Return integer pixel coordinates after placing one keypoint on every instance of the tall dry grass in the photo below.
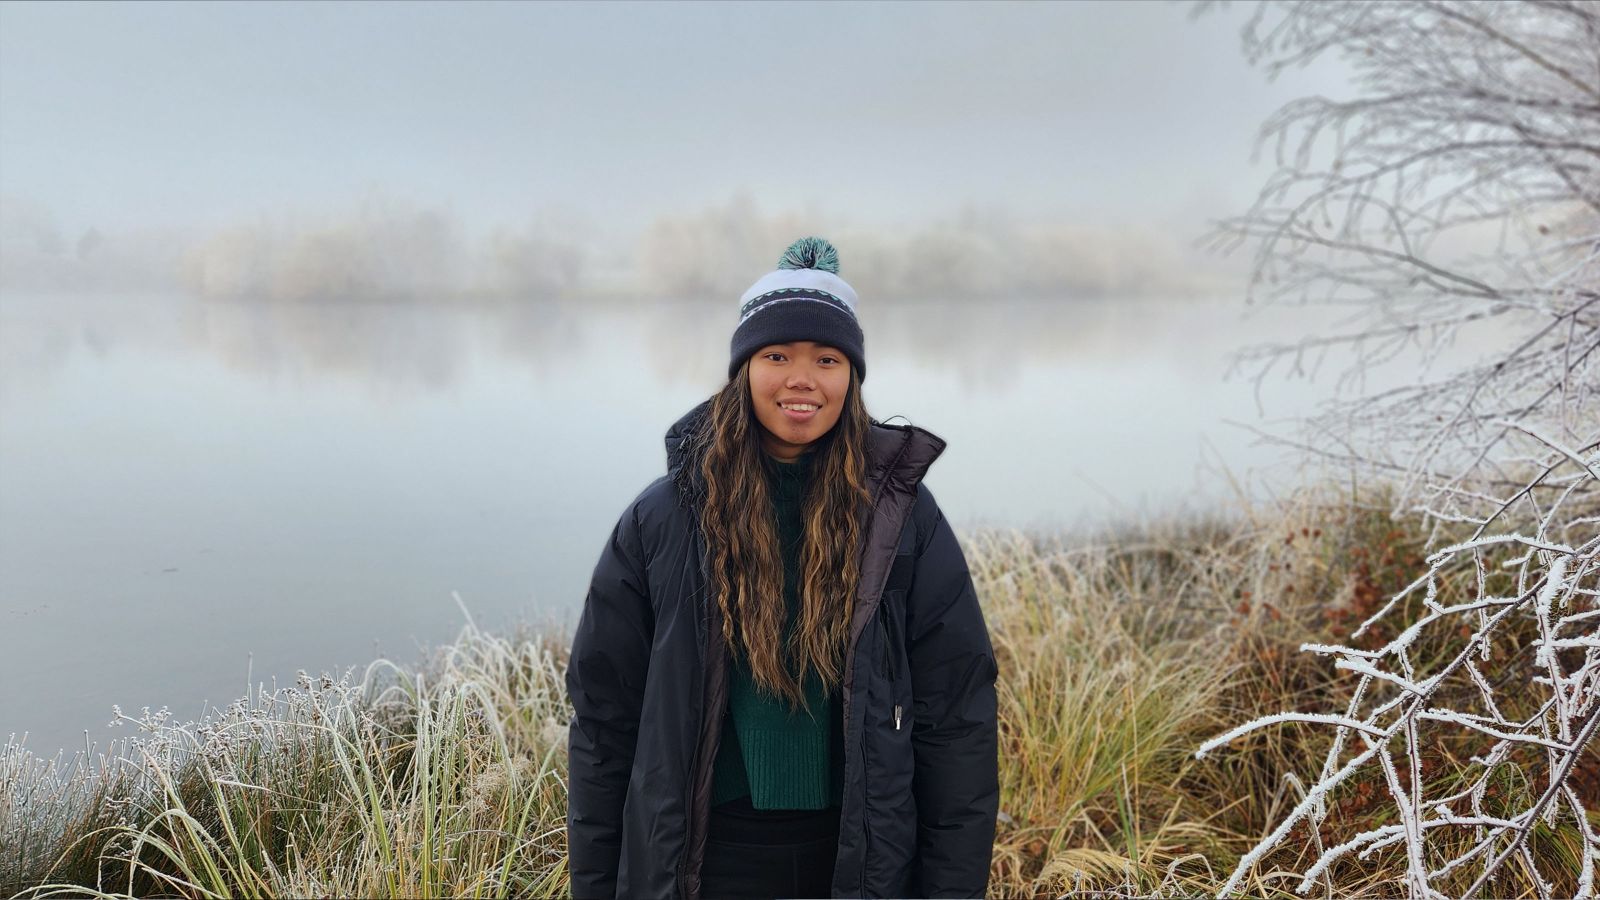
(1119, 653)
(446, 781)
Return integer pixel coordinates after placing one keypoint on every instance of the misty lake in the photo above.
(195, 495)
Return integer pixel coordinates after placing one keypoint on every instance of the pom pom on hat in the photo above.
(811, 253)
(804, 299)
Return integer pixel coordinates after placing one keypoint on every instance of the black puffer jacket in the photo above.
(648, 678)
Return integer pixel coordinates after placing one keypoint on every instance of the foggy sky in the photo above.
(615, 115)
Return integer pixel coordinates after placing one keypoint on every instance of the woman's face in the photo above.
(784, 380)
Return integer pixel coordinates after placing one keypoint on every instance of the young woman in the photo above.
(781, 680)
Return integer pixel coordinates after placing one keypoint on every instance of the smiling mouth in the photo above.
(799, 413)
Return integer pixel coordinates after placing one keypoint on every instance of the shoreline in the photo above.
(1118, 659)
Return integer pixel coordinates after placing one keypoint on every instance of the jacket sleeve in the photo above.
(605, 681)
(954, 732)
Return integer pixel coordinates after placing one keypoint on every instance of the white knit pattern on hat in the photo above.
(805, 279)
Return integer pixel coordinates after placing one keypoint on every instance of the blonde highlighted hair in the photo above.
(741, 539)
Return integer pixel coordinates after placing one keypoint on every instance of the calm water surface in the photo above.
(196, 495)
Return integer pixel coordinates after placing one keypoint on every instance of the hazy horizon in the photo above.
(551, 146)
(251, 407)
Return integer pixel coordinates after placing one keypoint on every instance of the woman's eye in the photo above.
(829, 359)
(778, 355)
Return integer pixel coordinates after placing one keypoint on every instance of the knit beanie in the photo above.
(804, 299)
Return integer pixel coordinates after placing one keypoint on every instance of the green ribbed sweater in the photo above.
(780, 760)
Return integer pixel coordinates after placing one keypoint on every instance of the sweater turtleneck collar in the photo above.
(789, 478)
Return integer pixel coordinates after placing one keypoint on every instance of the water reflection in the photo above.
(185, 482)
(414, 344)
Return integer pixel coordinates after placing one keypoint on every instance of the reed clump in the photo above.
(1119, 652)
(1159, 638)
(444, 781)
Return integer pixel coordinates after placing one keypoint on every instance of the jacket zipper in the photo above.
(891, 660)
(694, 758)
(866, 814)
(694, 768)
(683, 860)
(866, 820)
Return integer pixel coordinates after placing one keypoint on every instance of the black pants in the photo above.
(751, 853)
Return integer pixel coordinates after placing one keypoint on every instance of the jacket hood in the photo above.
(901, 453)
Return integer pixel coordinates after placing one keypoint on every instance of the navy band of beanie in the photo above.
(804, 299)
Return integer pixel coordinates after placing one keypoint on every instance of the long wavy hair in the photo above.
(741, 539)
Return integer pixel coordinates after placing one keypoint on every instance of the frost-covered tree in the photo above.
(1458, 189)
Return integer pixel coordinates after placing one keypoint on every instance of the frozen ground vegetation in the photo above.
(1459, 188)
